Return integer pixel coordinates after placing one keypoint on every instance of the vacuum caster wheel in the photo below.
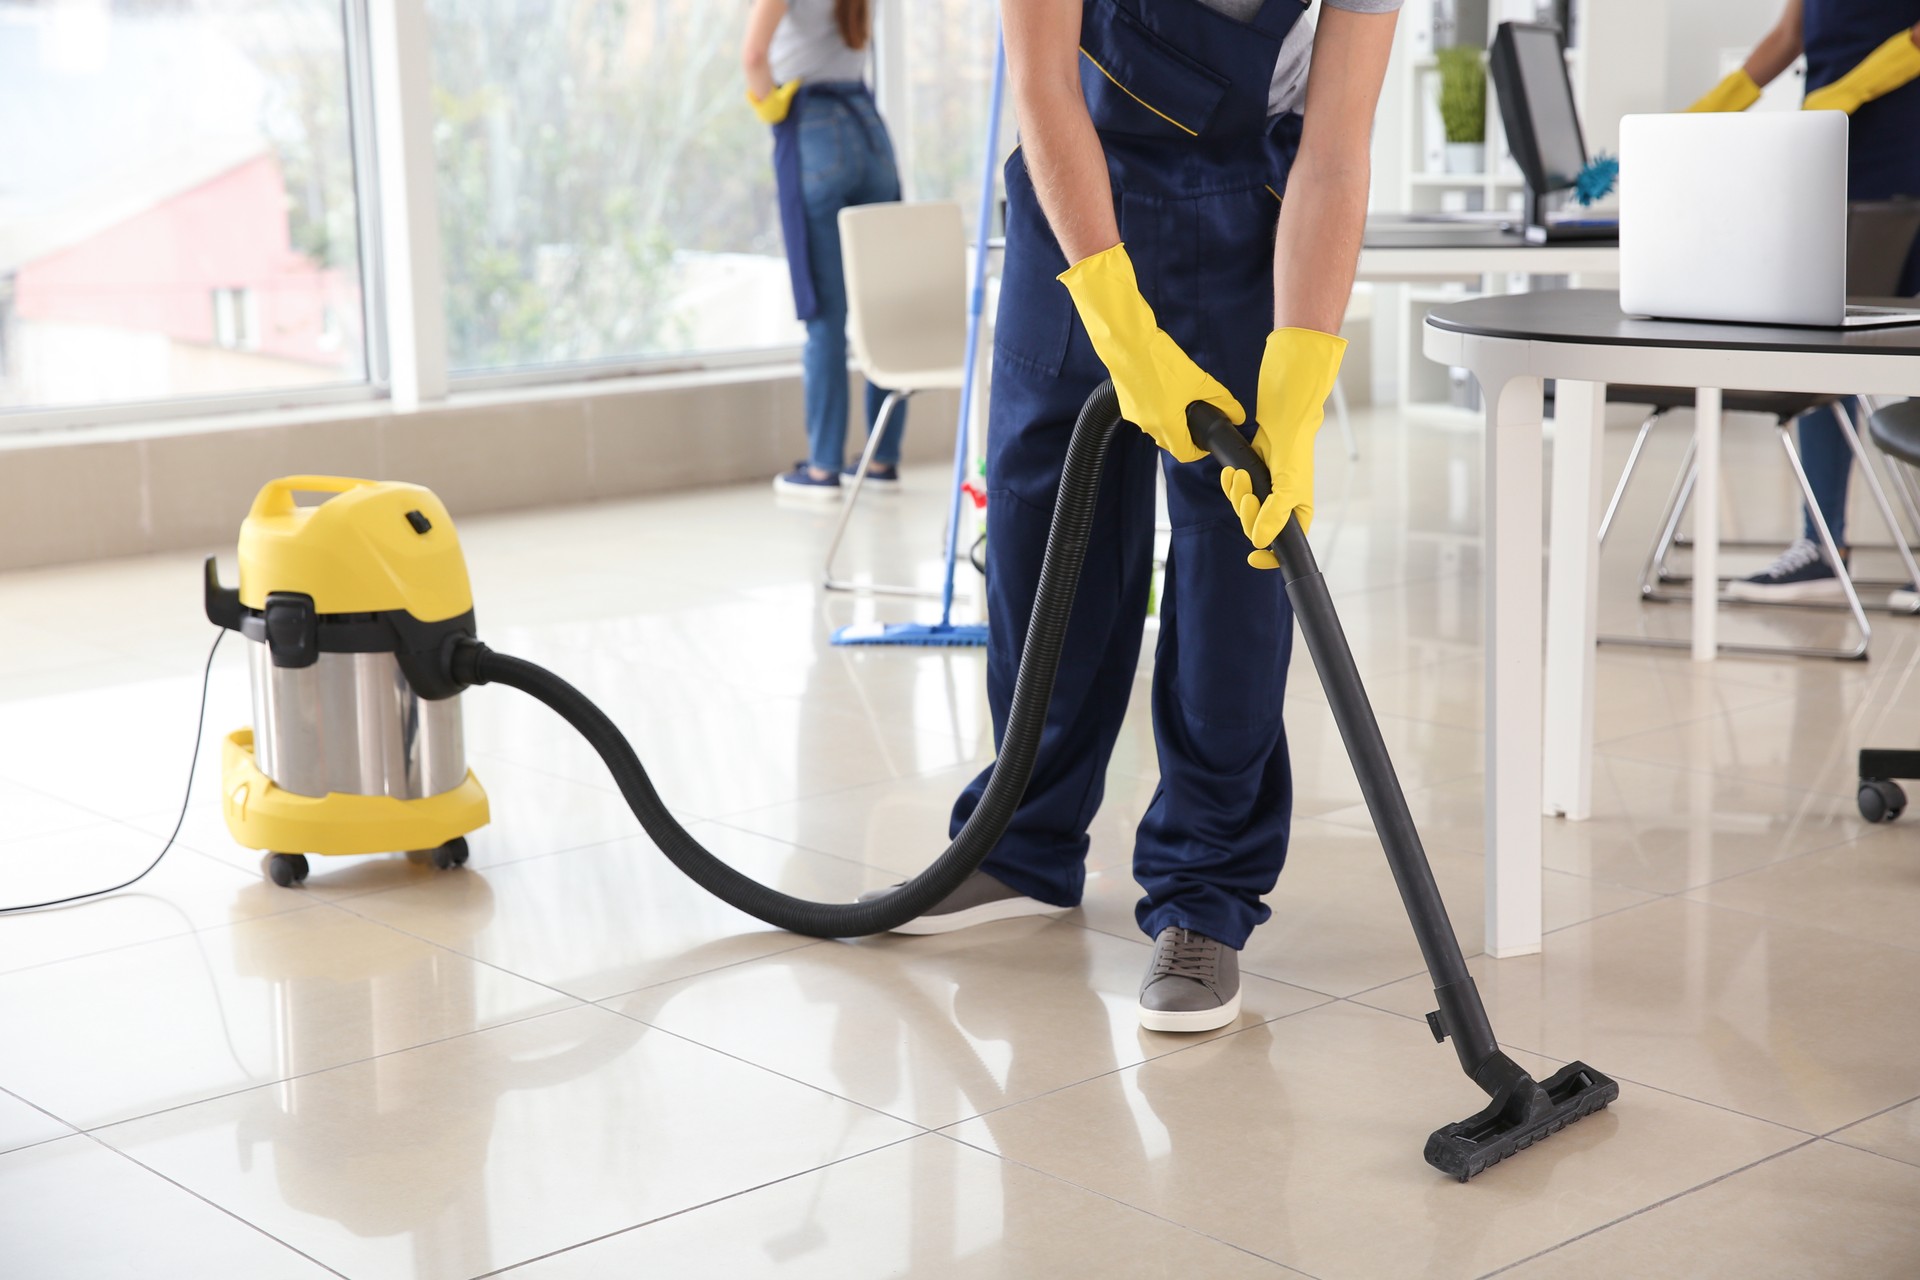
(285, 869)
(1881, 800)
(451, 854)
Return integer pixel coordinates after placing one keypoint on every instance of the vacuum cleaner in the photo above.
(361, 624)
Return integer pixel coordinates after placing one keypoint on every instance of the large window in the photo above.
(177, 211)
(605, 193)
(949, 54)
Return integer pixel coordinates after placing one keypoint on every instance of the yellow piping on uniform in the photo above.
(1136, 97)
(1275, 194)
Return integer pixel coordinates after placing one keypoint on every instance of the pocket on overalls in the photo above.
(1138, 83)
(1035, 316)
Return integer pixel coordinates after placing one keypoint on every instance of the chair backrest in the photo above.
(906, 268)
(1880, 237)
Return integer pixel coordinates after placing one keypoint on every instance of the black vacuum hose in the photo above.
(474, 663)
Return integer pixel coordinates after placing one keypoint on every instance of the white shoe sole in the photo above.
(808, 492)
(985, 913)
(1190, 1020)
(1825, 590)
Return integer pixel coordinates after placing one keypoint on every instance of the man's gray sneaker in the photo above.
(980, 899)
(1192, 984)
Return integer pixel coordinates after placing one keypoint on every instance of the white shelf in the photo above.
(1466, 180)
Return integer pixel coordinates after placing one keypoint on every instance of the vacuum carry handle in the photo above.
(276, 496)
(1213, 432)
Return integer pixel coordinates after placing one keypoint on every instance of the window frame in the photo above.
(378, 301)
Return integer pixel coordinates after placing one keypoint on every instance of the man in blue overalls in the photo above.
(1158, 137)
(1863, 58)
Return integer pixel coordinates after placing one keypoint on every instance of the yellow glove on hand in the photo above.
(773, 108)
(1879, 73)
(1154, 378)
(1736, 92)
(1296, 377)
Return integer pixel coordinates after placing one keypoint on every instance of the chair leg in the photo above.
(1894, 532)
(1669, 521)
(1826, 541)
(832, 583)
(1676, 508)
(1346, 423)
(1626, 474)
(1903, 484)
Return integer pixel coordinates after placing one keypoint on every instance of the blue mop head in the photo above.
(920, 633)
(1597, 180)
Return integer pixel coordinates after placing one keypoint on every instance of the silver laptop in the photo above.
(1739, 217)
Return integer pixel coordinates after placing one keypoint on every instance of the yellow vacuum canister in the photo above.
(351, 605)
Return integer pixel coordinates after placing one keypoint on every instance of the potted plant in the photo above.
(1463, 108)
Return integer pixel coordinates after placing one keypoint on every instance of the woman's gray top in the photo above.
(807, 46)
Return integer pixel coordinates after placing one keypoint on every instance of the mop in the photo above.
(946, 631)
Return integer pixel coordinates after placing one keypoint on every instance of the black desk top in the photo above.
(1593, 316)
(1398, 233)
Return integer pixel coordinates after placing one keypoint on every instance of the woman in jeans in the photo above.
(806, 76)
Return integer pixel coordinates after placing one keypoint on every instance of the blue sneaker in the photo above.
(1802, 573)
(800, 483)
(882, 477)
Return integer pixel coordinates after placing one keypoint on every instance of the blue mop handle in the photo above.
(976, 306)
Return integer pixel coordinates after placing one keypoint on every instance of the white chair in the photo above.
(906, 269)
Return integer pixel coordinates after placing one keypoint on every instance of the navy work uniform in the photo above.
(1178, 93)
(1883, 143)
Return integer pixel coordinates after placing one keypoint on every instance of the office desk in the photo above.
(1395, 249)
(1539, 749)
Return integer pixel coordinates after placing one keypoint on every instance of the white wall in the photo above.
(1697, 33)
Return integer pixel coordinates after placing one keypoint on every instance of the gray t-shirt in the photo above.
(1289, 88)
(807, 46)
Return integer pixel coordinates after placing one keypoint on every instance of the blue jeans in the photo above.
(1828, 460)
(846, 159)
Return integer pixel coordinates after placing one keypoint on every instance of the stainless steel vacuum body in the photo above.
(349, 607)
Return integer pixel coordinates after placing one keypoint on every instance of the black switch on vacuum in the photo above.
(293, 629)
(419, 521)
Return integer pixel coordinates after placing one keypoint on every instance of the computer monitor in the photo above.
(1529, 68)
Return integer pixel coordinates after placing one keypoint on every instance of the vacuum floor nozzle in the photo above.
(1521, 1114)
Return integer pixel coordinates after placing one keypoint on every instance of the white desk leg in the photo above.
(1706, 524)
(1514, 453)
(1573, 597)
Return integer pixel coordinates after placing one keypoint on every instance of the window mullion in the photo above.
(414, 292)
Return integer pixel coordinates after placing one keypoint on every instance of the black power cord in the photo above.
(199, 731)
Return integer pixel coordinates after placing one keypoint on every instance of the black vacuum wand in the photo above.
(1522, 1111)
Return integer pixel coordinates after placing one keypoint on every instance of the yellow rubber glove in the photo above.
(1881, 72)
(773, 108)
(1155, 379)
(1296, 377)
(1735, 93)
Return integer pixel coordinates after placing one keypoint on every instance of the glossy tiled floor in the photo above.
(565, 1061)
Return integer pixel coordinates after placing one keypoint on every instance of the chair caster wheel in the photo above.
(285, 869)
(449, 855)
(1881, 800)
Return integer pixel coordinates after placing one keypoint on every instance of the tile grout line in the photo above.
(251, 1086)
(761, 1067)
(1125, 1204)
(212, 1204)
(1638, 1084)
(1627, 1217)
(692, 1208)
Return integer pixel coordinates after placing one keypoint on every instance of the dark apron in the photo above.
(791, 193)
(1883, 148)
(1178, 94)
